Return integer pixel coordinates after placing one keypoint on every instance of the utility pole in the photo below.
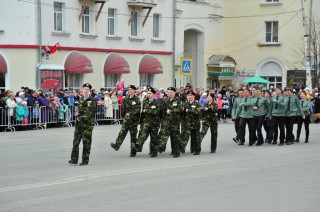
(174, 12)
(306, 48)
(38, 82)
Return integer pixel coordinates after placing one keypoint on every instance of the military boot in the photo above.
(114, 146)
(73, 162)
(135, 147)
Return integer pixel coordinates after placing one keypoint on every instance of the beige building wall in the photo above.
(245, 36)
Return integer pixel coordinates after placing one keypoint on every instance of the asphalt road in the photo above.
(35, 175)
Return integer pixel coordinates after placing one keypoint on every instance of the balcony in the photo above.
(145, 4)
(86, 2)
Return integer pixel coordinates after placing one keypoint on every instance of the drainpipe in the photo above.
(306, 49)
(39, 29)
(174, 6)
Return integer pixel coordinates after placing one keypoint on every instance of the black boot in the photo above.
(114, 146)
(73, 162)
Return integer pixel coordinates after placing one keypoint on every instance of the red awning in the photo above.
(3, 65)
(150, 65)
(77, 63)
(115, 64)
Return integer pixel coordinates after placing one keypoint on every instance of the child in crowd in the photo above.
(25, 114)
(225, 107)
(62, 110)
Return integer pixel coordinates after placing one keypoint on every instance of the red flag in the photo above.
(51, 49)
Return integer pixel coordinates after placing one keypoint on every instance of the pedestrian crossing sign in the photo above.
(186, 66)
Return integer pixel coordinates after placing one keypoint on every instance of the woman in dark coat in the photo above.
(44, 107)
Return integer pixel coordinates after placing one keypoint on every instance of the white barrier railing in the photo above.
(41, 117)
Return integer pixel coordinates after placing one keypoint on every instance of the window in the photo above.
(58, 16)
(111, 80)
(111, 22)
(2, 81)
(86, 21)
(134, 24)
(74, 81)
(271, 32)
(156, 25)
(274, 81)
(146, 79)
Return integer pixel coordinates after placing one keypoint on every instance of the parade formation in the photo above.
(180, 117)
(180, 114)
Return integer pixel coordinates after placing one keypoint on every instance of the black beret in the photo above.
(102, 89)
(171, 89)
(87, 85)
(132, 87)
(191, 93)
(151, 89)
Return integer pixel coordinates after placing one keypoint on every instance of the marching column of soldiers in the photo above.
(180, 120)
(277, 114)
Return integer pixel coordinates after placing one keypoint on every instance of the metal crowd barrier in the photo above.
(41, 117)
(111, 114)
(24, 117)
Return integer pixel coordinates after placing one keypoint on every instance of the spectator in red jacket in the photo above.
(219, 102)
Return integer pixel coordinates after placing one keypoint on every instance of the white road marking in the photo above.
(105, 174)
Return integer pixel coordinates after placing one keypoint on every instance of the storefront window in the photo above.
(2, 81)
(73, 81)
(111, 80)
(146, 79)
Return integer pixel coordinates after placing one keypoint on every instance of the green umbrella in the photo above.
(255, 79)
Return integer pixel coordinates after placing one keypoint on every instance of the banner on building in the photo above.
(51, 79)
(296, 78)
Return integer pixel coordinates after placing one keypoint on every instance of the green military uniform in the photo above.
(83, 128)
(277, 114)
(246, 117)
(150, 124)
(210, 121)
(131, 116)
(259, 115)
(305, 105)
(192, 126)
(171, 126)
(293, 109)
(235, 117)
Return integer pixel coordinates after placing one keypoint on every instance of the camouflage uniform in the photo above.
(210, 120)
(130, 123)
(192, 126)
(171, 126)
(150, 124)
(83, 129)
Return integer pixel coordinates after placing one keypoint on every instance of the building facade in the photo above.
(266, 38)
(64, 43)
(92, 41)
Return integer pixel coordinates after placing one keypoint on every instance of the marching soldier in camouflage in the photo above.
(131, 116)
(172, 120)
(210, 110)
(84, 126)
(192, 124)
(151, 110)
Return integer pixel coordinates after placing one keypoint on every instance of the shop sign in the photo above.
(51, 79)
